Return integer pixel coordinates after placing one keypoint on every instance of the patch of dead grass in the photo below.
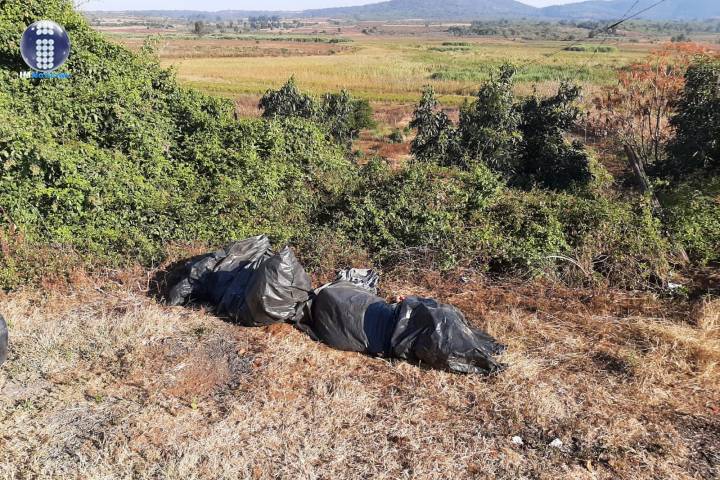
(103, 382)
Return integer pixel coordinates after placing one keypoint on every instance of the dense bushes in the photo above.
(342, 115)
(693, 217)
(690, 172)
(663, 116)
(120, 161)
(524, 141)
(448, 216)
(697, 122)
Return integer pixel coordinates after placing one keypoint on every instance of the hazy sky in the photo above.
(212, 5)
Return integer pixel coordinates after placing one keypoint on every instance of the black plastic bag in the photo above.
(349, 317)
(276, 292)
(217, 276)
(365, 278)
(3, 340)
(253, 287)
(247, 283)
(439, 336)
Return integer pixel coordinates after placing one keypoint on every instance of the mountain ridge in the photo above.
(430, 10)
(466, 10)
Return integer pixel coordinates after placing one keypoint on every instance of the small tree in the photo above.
(436, 139)
(345, 116)
(489, 126)
(524, 142)
(342, 115)
(199, 28)
(547, 158)
(637, 110)
(287, 101)
(697, 121)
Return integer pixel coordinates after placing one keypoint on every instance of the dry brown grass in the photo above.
(184, 48)
(103, 382)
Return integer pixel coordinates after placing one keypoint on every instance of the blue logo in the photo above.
(45, 46)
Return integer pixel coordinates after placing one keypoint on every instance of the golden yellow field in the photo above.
(391, 69)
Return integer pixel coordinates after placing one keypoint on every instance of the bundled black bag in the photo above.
(254, 287)
(276, 292)
(349, 316)
(439, 336)
(214, 277)
(247, 283)
(3, 340)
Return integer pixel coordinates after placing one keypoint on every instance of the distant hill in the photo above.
(474, 10)
(610, 9)
(430, 10)
(223, 15)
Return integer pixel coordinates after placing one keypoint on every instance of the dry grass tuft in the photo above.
(103, 382)
(706, 315)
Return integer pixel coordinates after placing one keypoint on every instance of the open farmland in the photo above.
(386, 69)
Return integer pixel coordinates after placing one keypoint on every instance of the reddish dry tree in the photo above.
(636, 111)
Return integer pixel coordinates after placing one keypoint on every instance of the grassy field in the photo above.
(386, 69)
(104, 382)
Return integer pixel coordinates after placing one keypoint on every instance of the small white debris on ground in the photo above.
(517, 440)
(557, 443)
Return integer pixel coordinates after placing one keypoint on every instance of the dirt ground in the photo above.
(105, 382)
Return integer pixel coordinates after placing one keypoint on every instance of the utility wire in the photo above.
(607, 29)
(622, 19)
(612, 26)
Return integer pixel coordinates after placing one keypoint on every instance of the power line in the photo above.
(597, 49)
(607, 29)
(613, 26)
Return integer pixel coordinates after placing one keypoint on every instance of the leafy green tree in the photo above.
(288, 101)
(489, 126)
(697, 122)
(548, 159)
(199, 28)
(436, 139)
(344, 116)
(524, 142)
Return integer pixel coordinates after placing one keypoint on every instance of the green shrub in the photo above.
(488, 127)
(522, 141)
(396, 136)
(693, 217)
(423, 207)
(342, 115)
(345, 116)
(120, 167)
(546, 157)
(593, 240)
(287, 101)
(448, 216)
(696, 144)
(436, 139)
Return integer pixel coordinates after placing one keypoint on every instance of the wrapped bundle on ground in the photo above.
(251, 285)
(247, 283)
(439, 336)
(349, 316)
